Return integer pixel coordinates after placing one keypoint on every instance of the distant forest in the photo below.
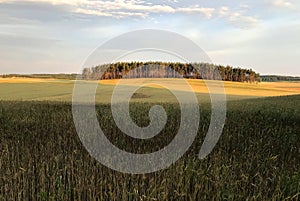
(278, 78)
(46, 76)
(159, 70)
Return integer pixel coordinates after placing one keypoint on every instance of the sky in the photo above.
(52, 36)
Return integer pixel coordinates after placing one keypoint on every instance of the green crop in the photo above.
(257, 157)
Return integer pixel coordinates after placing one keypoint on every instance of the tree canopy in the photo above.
(169, 70)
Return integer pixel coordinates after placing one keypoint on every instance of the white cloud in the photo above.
(208, 12)
(145, 9)
(243, 21)
(282, 3)
(118, 14)
(237, 18)
(121, 8)
(223, 11)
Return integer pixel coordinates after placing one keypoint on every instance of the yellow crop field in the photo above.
(263, 89)
(61, 90)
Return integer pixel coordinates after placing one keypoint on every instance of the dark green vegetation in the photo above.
(278, 78)
(54, 76)
(158, 69)
(257, 157)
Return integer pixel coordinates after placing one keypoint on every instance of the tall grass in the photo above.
(257, 157)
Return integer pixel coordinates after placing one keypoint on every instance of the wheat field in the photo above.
(29, 89)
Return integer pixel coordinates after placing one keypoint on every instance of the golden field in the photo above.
(61, 90)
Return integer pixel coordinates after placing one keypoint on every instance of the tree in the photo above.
(86, 73)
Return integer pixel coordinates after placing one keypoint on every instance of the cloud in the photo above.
(223, 11)
(137, 8)
(120, 8)
(282, 3)
(5, 19)
(243, 21)
(289, 5)
(237, 18)
(27, 42)
(208, 12)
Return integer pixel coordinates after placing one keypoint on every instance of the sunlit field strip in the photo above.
(61, 90)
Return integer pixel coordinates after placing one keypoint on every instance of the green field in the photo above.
(42, 158)
(25, 89)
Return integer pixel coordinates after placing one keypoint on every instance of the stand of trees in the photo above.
(279, 78)
(54, 76)
(169, 70)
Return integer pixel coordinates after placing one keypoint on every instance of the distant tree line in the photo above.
(169, 70)
(278, 78)
(53, 76)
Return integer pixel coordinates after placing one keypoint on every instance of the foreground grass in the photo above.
(257, 157)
